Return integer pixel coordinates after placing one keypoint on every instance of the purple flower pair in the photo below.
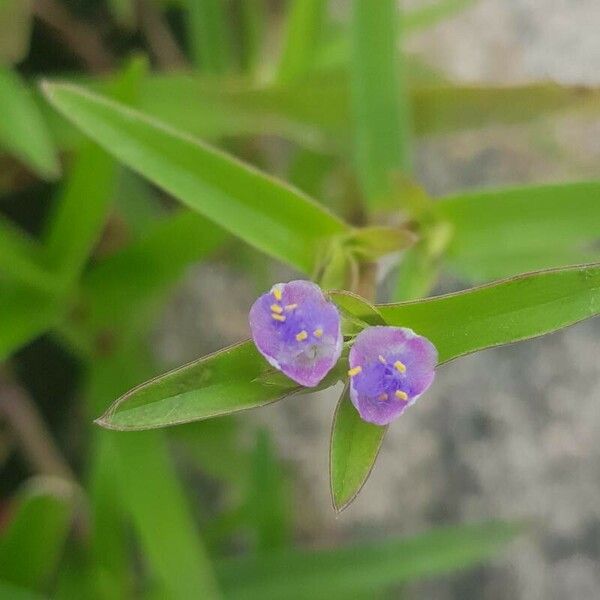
(297, 329)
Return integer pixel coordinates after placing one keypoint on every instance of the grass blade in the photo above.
(23, 131)
(367, 569)
(32, 545)
(540, 227)
(292, 228)
(304, 28)
(380, 99)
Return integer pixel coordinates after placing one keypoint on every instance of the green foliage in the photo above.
(15, 29)
(354, 448)
(32, 544)
(208, 35)
(539, 227)
(112, 248)
(362, 570)
(379, 99)
(304, 29)
(235, 196)
(22, 128)
(500, 313)
(25, 314)
(233, 379)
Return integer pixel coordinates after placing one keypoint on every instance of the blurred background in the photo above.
(507, 434)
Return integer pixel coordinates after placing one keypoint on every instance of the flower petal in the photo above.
(297, 330)
(390, 368)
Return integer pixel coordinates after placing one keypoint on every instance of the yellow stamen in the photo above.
(276, 308)
(382, 360)
(291, 306)
(301, 336)
(278, 317)
(383, 397)
(355, 371)
(318, 332)
(277, 293)
(400, 366)
(401, 395)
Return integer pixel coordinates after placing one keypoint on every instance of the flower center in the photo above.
(385, 379)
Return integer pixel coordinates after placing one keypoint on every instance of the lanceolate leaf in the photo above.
(266, 213)
(500, 313)
(354, 448)
(539, 227)
(503, 312)
(361, 571)
(233, 379)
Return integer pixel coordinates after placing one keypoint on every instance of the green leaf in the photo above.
(15, 30)
(267, 508)
(371, 243)
(379, 98)
(366, 569)
(119, 290)
(356, 307)
(147, 489)
(23, 131)
(81, 212)
(25, 313)
(304, 28)
(208, 34)
(539, 227)
(508, 311)
(292, 227)
(354, 448)
(449, 108)
(227, 381)
(253, 19)
(150, 490)
(458, 324)
(21, 258)
(83, 206)
(32, 545)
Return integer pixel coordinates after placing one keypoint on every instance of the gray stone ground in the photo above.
(508, 433)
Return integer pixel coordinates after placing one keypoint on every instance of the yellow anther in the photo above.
(276, 308)
(401, 395)
(400, 366)
(318, 332)
(277, 293)
(383, 397)
(382, 360)
(354, 371)
(301, 336)
(291, 306)
(278, 317)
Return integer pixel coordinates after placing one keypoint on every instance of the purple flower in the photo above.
(297, 330)
(390, 367)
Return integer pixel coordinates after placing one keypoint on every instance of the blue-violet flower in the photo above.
(390, 367)
(297, 330)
